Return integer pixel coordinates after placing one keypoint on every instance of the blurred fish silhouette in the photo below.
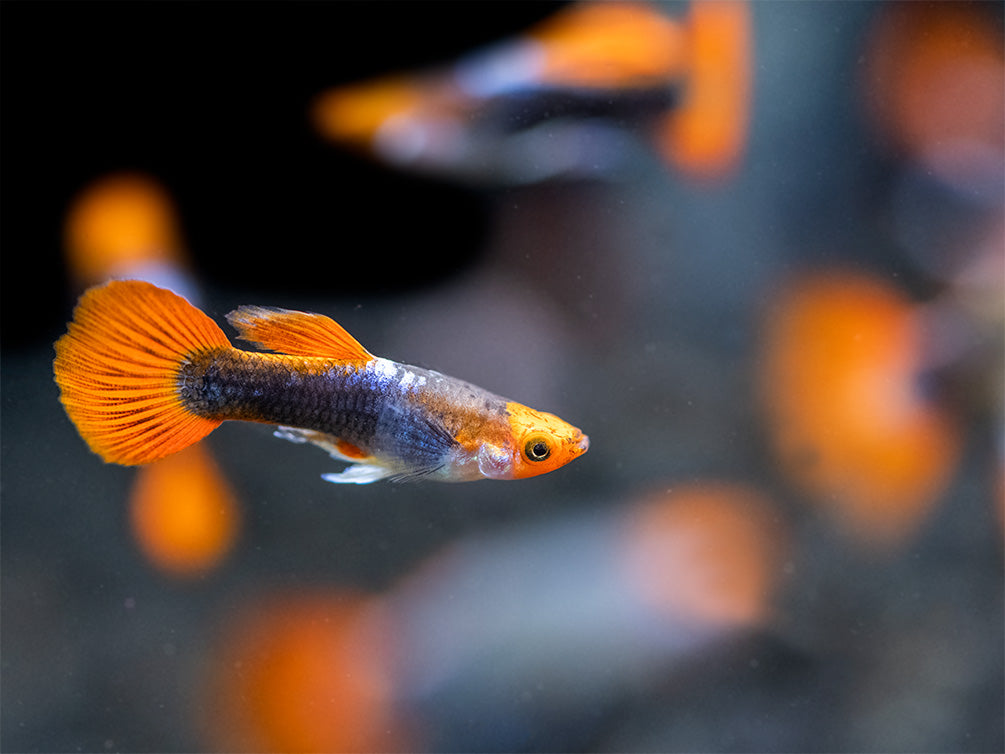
(125, 225)
(584, 609)
(845, 382)
(145, 374)
(566, 100)
(304, 670)
(591, 606)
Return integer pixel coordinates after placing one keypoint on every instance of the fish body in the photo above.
(143, 374)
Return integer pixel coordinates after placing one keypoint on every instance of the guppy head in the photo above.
(538, 442)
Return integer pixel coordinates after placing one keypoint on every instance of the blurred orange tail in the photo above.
(117, 368)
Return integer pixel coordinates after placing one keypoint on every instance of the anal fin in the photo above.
(337, 448)
(364, 468)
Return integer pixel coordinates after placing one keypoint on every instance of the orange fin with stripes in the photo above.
(297, 333)
(117, 369)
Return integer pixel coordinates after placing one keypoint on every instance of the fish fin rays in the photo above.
(118, 366)
(297, 333)
(414, 475)
(365, 473)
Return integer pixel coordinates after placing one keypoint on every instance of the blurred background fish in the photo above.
(509, 637)
(505, 637)
(567, 99)
(788, 533)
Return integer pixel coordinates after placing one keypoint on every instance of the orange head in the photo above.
(541, 442)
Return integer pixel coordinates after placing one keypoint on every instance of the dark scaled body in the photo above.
(379, 408)
(277, 389)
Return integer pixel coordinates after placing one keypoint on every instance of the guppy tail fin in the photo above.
(117, 370)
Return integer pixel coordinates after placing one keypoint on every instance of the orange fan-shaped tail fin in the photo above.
(117, 368)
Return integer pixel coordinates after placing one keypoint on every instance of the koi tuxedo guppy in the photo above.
(144, 374)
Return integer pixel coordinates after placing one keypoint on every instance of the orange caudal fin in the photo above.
(117, 370)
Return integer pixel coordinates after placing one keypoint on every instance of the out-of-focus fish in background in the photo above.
(145, 374)
(501, 637)
(846, 383)
(933, 93)
(125, 225)
(184, 514)
(304, 670)
(568, 99)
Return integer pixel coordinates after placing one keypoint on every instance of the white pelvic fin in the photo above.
(359, 473)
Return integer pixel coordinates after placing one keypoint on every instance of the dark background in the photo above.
(212, 99)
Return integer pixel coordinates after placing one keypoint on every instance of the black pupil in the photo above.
(539, 451)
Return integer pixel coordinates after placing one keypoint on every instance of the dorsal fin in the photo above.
(297, 333)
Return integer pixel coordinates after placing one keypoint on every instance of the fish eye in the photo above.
(537, 449)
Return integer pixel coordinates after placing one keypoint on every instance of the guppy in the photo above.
(143, 373)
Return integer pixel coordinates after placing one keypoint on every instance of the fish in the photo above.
(580, 95)
(143, 374)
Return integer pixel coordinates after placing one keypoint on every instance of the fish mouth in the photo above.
(584, 443)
